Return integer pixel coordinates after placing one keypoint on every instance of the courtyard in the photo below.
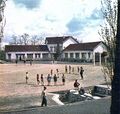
(13, 85)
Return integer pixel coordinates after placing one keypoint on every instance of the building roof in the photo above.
(24, 48)
(82, 46)
(60, 40)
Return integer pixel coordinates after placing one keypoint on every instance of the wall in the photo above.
(13, 54)
(100, 48)
(68, 42)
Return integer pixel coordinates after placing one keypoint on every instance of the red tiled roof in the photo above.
(60, 40)
(24, 48)
(82, 46)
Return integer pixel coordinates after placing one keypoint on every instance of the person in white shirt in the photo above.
(44, 99)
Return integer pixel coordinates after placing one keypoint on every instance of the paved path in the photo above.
(101, 106)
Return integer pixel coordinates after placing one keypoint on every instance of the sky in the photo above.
(78, 18)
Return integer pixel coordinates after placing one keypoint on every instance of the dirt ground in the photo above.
(12, 78)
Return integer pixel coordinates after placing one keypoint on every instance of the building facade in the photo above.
(69, 48)
(27, 52)
(89, 52)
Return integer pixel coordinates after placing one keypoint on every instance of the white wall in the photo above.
(53, 45)
(100, 48)
(80, 52)
(13, 54)
(68, 42)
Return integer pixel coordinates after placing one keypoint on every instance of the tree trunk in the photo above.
(115, 104)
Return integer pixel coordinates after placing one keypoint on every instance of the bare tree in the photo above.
(24, 39)
(14, 40)
(108, 34)
(34, 40)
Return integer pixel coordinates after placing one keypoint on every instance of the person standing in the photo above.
(65, 68)
(16, 61)
(78, 69)
(26, 77)
(69, 69)
(81, 72)
(49, 79)
(57, 71)
(63, 79)
(55, 79)
(42, 80)
(38, 80)
(44, 97)
(51, 72)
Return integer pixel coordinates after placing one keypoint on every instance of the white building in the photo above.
(69, 48)
(85, 51)
(28, 52)
(59, 43)
(63, 42)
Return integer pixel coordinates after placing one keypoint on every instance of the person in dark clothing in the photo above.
(63, 79)
(51, 72)
(38, 81)
(26, 77)
(44, 99)
(42, 80)
(49, 79)
(76, 84)
(81, 72)
(57, 71)
(55, 79)
(16, 61)
(66, 70)
(78, 69)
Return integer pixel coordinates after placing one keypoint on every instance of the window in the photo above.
(37, 55)
(66, 55)
(77, 55)
(55, 48)
(89, 54)
(20, 56)
(51, 49)
(71, 55)
(45, 56)
(30, 56)
(83, 55)
(9, 56)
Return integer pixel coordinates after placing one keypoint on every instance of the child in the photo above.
(42, 80)
(76, 85)
(38, 81)
(63, 79)
(81, 72)
(49, 79)
(55, 79)
(26, 77)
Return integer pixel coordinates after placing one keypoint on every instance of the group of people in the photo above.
(51, 76)
(41, 79)
(69, 69)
